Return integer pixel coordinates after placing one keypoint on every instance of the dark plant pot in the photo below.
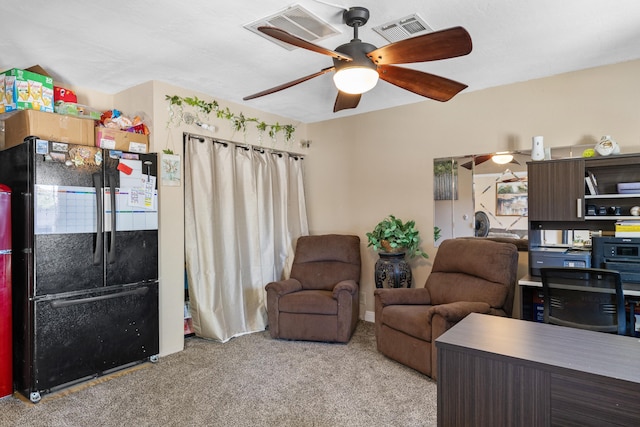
(392, 271)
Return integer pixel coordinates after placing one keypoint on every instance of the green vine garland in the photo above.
(238, 121)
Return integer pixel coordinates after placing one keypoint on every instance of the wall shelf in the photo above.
(610, 217)
(552, 205)
(611, 196)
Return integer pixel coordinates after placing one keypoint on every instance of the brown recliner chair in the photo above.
(468, 276)
(320, 300)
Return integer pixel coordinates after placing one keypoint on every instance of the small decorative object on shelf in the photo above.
(393, 238)
(607, 146)
(537, 148)
(628, 187)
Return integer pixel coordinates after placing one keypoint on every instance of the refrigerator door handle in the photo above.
(68, 302)
(97, 251)
(111, 254)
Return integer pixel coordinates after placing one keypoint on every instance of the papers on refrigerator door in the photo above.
(139, 186)
(61, 209)
(130, 216)
(136, 198)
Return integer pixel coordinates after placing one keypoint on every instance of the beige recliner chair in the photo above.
(468, 276)
(320, 300)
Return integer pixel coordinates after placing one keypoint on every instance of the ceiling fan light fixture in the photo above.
(355, 80)
(502, 158)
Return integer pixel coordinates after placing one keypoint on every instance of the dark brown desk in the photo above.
(530, 284)
(495, 371)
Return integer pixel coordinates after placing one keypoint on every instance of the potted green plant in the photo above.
(393, 235)
(393, 238)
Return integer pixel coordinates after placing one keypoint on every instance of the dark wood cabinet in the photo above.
(556, 190)
(558, 200)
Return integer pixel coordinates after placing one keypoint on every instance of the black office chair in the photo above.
(586, 298)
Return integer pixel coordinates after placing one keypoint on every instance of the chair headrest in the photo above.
(489, 260)
(328, 247)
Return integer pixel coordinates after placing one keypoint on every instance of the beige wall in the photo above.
(385, 163)
(361, 168)
(171, 257)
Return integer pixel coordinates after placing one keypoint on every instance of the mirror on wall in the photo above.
(481, 195)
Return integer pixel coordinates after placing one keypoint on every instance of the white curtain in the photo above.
(244, 209)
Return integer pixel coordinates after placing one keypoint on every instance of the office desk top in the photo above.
(498, 371)
(597, 353)
(628, 289)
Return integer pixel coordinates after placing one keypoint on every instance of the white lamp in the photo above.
(502, 158)
(355, 80)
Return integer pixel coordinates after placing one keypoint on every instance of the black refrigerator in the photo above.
(85, 262)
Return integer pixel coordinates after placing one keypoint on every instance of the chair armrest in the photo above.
(349, 286)
(419, 296)
(283, 287)
(456, 311)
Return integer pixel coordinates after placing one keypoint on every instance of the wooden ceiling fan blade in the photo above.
(421, 83)
(443, 44)
(289, 84)
(481, 159)
(286, 37)
(346, 100)
(467, 165)
(477, 160)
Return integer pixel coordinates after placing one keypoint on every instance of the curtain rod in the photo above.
(203, 138)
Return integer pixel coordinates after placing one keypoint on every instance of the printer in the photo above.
(557, 257)
(618, 253)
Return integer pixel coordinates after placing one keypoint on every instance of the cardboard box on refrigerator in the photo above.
(18, 125)
(113, 139)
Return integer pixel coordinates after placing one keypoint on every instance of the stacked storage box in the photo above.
(23, 89)
(27, 100)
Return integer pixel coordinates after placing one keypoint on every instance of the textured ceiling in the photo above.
(201, 45)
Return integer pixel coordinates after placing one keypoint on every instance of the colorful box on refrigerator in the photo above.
(24, 90)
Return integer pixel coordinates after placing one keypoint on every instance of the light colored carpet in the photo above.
(251, 380)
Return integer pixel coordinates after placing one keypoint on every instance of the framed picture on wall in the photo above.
(511, 198)
(445, 180)
(171, 172)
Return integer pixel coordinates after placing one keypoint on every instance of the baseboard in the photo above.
(369, 316)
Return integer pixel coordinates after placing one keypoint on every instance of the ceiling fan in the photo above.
(500, 158)
(358, 65)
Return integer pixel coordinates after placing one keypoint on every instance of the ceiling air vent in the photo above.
(404, 28)
(297, 21)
